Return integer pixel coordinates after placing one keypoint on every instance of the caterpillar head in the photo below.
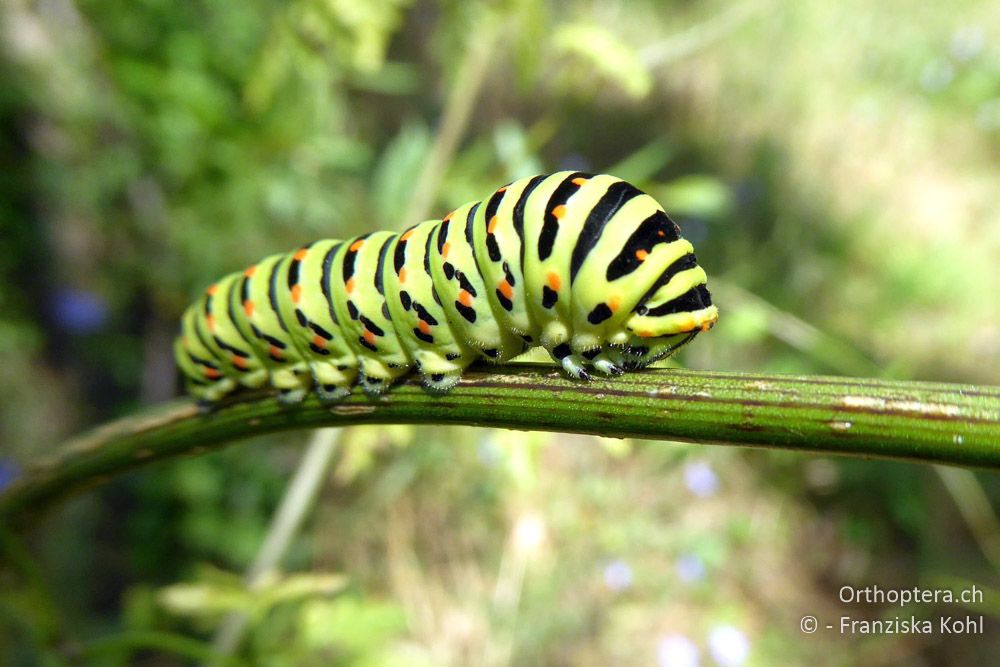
(676, 309)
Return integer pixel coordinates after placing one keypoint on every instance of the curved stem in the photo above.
(298, 499)
(918, 421)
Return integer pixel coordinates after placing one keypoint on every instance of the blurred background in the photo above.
(835, 165)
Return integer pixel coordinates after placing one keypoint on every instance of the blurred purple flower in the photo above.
(676, 651)
(988, 115)
(937, 75)
(690, 568)
(618, 576)
(729, 646)
(78, 311)
(700, 479)
(9, 472)
(967, 43)
(488, 453)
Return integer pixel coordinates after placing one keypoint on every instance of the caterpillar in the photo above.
(586, 266)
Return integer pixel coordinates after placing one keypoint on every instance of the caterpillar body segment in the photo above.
(586, 266)
(253, 303)
(418, 314)
(304, 290)
(461, 288)
(215, 326)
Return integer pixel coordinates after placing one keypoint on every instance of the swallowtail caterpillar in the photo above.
(586, 266)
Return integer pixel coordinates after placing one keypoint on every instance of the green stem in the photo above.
(455, 117)
(123, 645)
(917, 421)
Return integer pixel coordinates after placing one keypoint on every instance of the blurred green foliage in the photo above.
(834, 163)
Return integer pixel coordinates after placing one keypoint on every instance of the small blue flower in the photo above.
(618, 576)
(690, 568)
(676, 651)
(78, 311)
(729, 646)
(9, 472)
(701, 479)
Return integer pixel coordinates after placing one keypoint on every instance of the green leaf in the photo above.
(606, 53)
(695, 195)
(395, 173)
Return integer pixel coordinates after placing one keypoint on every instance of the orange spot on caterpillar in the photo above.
(319, 341)
(300, 254)
(445, 249)
(465, 298)
(448, 217)
(504, 287)
(614, 303)
(559, 211)
(350, 286)
(705, 326)
(250, 271)
(424, 327)
(492, 225)
(660, 233)
(275, 352)
(369, 336)
(641, 254)
(212, 289)
(406, 235)
(248, 307)
(356, 246)
(239, 362)
(555, 282)
(646, 334)
(211, 373)
(503, 189)
(402, 275)
(579, 181)
(296, 293)
(210, 321)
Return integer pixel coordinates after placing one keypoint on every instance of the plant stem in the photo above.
(917, 421)
(295, 504)
(455, 117)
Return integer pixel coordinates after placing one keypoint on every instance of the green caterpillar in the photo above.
(586, 266)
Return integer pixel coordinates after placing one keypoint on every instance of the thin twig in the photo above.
(455, 117)
(975, 508)
(295, 505)
(917, 421)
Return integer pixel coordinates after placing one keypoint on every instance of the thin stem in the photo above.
(916, 421)
(298, 499)
(455, 118)
(975, 508)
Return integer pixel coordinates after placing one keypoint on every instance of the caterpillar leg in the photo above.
(609, 361)
(332, 382)
(374, 386)
(440, 383)
(292, 385)
(575, 366)
(290, 397)
(331, 393)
